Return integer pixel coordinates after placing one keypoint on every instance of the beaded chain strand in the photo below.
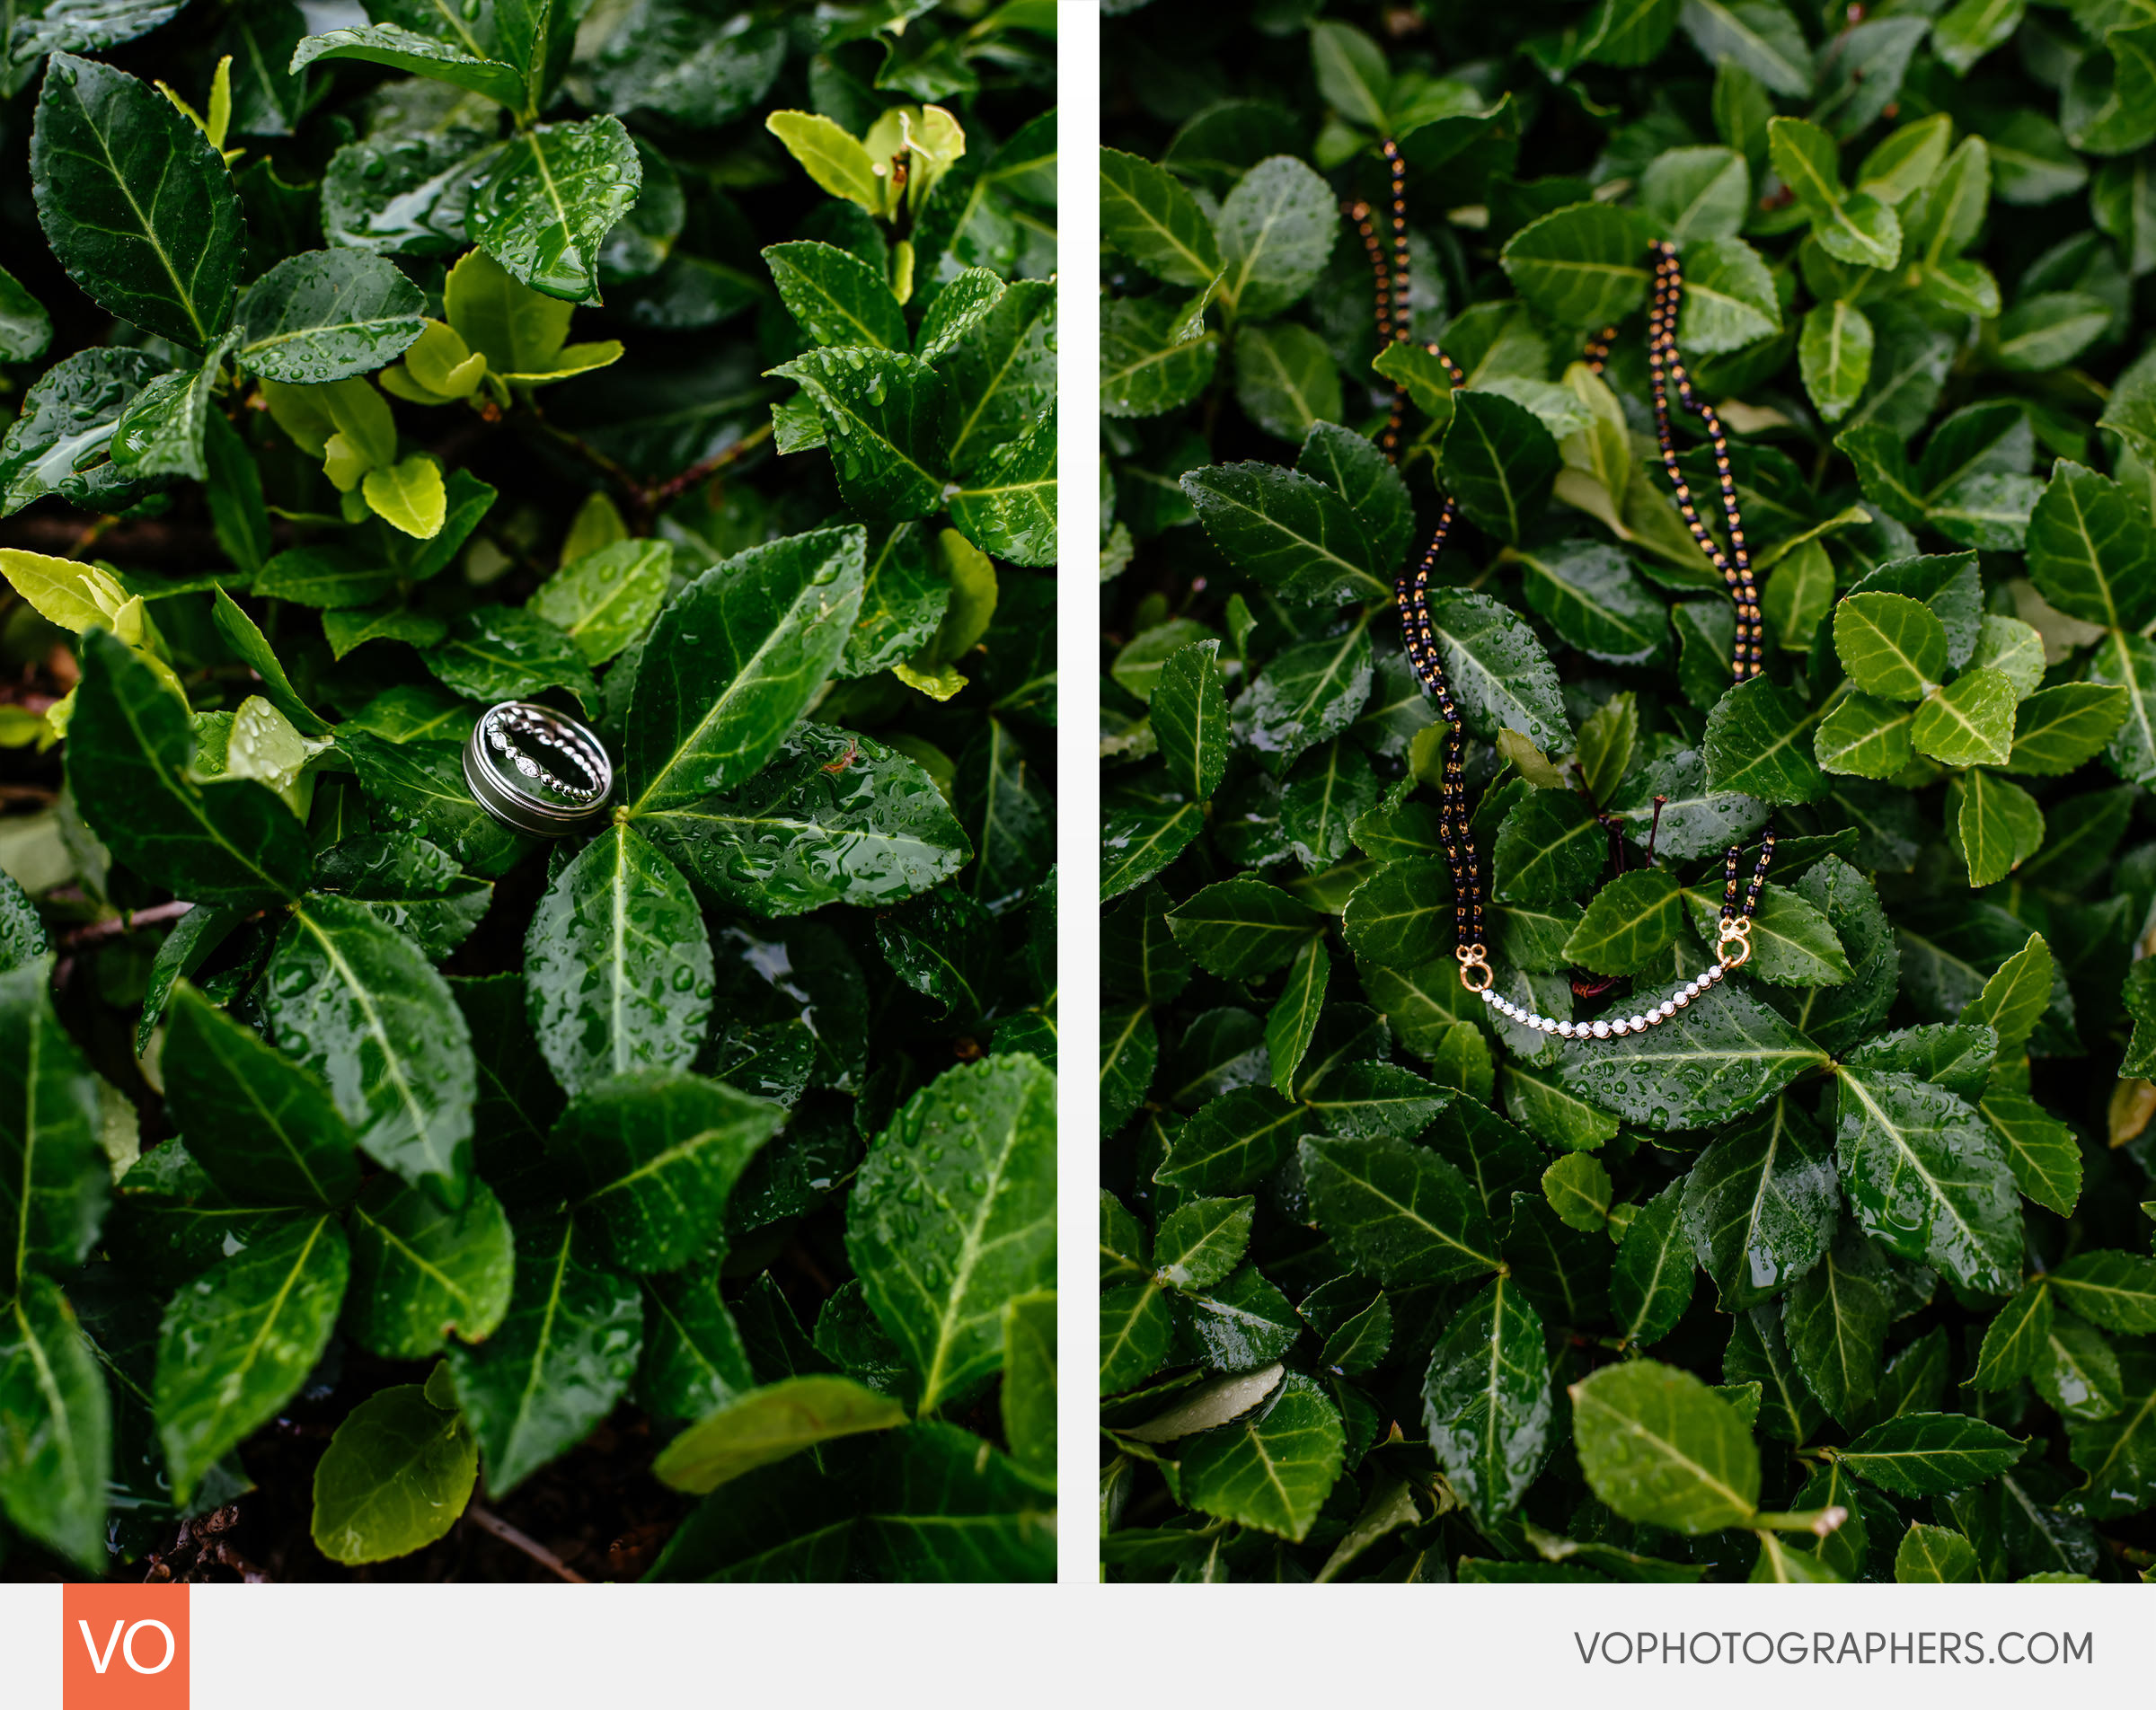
(1733, 946)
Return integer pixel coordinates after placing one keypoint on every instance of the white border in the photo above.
(1078, 778)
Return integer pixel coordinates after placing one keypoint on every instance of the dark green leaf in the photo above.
(560, 1360)
(169, 265)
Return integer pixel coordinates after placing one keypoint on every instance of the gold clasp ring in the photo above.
(1473, 960)
(1737, 932)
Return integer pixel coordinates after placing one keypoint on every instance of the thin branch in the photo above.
(120, 925)
(531, 1547)
(671, 489)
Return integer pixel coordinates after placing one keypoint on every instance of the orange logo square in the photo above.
(123, 1647)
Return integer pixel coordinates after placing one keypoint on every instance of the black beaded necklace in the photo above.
(1733, 945)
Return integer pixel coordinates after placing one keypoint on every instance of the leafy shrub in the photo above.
(356, 1148)
(1394, 1288)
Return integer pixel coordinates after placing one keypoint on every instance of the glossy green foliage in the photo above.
(364, 369)
(1856, 1228)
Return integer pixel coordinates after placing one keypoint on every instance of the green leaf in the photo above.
(1926, 1178)
(1864, 736)
(1591, 597)
(1577, 1188)
(56, 1419)
(1136, 1330)
(1582, 266)
(426, 56)
(358, 1003)
(1293, 1021)
(1729, 300)
(1486, 1400)
(328, 314)
(1696, 194)
(60, 440)
(1835, 1317)
(1242, 926)
(1792, 942)
(1929, 1454)
(1651, 1279)
(649, 1157)
(1401, 1214)
(883, 421)
(734, 661)
(1856, 229)
(617, 964)
(1190, 719)
(1759, 36)
(1499, 674)
(1760, 1205)
(410, 496)
(1148, 215)
(170, 266)
(2059, 729)
(395, 1476)
(832, 817)
(1201, 1242)
(2118, 1453)
(1232, 1142)
(164, 429)
(1007, 504)
(2077, 1372)
(561, 1357)
(1933, 1555)
(2013, 1339)
(2091, 550)
(1288, 531)
(419, 786)
(53, 1176)
(835, 160)
(1890, 645)
(1754, 745)
(1660, 1447)
(1968, 723)
(1999, 827)
(1498, 461)
(605, 599)
(2129, 661)
(552, 195)
(1276, 229)
(1243, 1325)
(2117, 1291)
(1148, 366)
(837, 297)
(1351, 72)
(953, 1214)
(770, 1425)
(420, 1273)
(942, 1507)
(263, 1128)
(2015, 998)
(1630, 921)
(25, 328)
(694, 1361)
(1548, 849)
(1728, 1056)
(1286, 379)
(1271, 1469)
(239, 1340)
(128, 747)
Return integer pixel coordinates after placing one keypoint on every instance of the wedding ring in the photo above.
(536, 770)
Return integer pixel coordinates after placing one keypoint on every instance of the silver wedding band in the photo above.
(536, 770)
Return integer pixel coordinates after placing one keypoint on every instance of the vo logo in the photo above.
(124, 1647)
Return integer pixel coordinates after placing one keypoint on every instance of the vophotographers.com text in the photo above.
(1760, 1649)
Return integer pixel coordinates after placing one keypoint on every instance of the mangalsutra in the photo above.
(1389, 266)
